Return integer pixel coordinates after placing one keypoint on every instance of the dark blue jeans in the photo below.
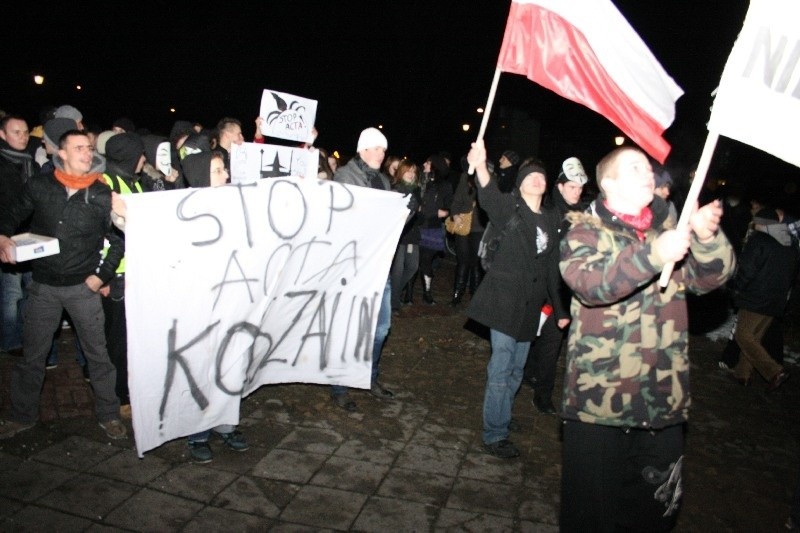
(381, 332)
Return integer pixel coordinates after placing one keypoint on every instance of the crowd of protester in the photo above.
(578, 261)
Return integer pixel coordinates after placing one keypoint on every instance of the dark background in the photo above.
(417, 68)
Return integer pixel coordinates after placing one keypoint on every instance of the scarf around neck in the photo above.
(77, 182)
(641, 222)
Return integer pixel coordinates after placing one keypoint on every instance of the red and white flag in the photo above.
(758, 99)
(587, 52)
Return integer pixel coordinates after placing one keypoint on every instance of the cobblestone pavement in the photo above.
(412, 464)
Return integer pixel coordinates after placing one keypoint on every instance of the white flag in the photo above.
(758, 100)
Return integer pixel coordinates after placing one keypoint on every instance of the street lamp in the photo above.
(38, 79)
(465, 127)
(619, 140)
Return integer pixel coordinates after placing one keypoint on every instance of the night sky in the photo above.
(419, 68)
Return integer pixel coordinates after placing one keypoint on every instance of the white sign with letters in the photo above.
(235, 287)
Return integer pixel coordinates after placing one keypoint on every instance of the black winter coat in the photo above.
(766, 272)
(80, 223)
(521, 280)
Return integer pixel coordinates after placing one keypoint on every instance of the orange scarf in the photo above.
(77, 182)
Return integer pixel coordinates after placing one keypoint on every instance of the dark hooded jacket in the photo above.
(197, 169)
(123, 152)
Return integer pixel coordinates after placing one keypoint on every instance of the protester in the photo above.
(523, 275)
(468, 267)
(540, 369)
(363, 170)
(17, 166)
(626, 387)
(72, 204)
(207, 169)
(767, 271)
(436, 195)
(406, 257)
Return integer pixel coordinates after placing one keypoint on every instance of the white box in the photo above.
(33, 246)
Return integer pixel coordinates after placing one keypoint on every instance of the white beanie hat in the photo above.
(371, 138)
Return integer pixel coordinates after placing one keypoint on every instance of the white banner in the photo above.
(758, 100)
(287, 116)
(235, 287)
(251, 162)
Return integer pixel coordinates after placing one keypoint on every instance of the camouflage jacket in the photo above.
(627, 355)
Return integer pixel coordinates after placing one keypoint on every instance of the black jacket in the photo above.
(765, 275)
(80, 223)
(510, 297)
(16, 167)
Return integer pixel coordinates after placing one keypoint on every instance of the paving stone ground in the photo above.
(412, 464)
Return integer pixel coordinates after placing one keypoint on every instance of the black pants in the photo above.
(117, 336)
(543, 359)
(613, 479)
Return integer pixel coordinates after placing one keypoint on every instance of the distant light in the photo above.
(479, 110)
(380, 126)
(171, 109)
(336, 154)
(78, 87)
(619, 140)
(38, 79)
(465, 127)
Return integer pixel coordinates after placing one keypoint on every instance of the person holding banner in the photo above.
(229, 131)
(207, 169)
(364, 170)
(626, 388)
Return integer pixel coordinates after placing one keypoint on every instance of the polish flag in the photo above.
(587, 52)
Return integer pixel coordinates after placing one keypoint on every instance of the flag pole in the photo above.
(692, 196)
(487, 111)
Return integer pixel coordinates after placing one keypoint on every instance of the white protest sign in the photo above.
(758, 99)
(251, 162)
(287, 116)
(235, 287)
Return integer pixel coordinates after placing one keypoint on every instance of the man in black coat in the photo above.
(16, 167)
(523, 276)
(71, 204)
(767, 269)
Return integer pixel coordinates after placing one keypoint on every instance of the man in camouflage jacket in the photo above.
(626, 387)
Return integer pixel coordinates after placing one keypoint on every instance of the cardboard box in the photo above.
(32, 246)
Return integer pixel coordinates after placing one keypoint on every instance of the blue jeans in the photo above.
(13, 292)
(503, 376)
(204, 435)
(381, 332)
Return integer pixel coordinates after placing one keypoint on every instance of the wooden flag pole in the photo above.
(487, 111)
(692, 196)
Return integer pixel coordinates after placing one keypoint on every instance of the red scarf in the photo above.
(640, 222)
(77, 182)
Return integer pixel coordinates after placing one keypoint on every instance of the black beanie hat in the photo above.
(529, 169)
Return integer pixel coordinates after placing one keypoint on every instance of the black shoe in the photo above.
(514, 426)
(544, 406)
(457, 297)
(427, 297)
(777, 380)
(86, 378)
(343, 401)
(379, 391)
(503, 449)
